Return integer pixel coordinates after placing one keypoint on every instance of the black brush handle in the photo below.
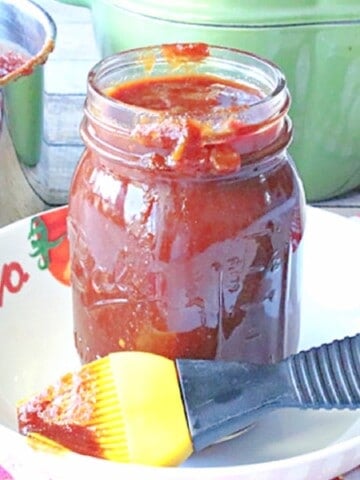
(221, 398)
(327, 376)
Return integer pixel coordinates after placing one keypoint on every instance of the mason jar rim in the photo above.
(107, 73)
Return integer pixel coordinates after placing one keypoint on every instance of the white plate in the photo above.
(37, 346)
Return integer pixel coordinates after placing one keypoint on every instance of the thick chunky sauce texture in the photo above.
(11, 58)
(188, 257)
(186, 94)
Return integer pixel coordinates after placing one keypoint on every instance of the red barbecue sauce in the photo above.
(65, 413)
(11, 60)
(190, 251)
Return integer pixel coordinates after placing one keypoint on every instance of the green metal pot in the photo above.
(315, 42)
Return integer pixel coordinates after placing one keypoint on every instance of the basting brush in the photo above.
(143, 408)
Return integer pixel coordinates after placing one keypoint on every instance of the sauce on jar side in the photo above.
(179, 265)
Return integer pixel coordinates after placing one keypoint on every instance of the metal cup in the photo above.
(24, 157)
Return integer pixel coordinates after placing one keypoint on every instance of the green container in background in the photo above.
(315, 42)
(24, 106)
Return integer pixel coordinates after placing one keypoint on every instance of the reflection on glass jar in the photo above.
(186, 212)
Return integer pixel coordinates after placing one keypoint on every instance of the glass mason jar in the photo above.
(186, 213)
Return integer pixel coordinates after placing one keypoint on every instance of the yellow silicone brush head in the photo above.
(125, 407)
